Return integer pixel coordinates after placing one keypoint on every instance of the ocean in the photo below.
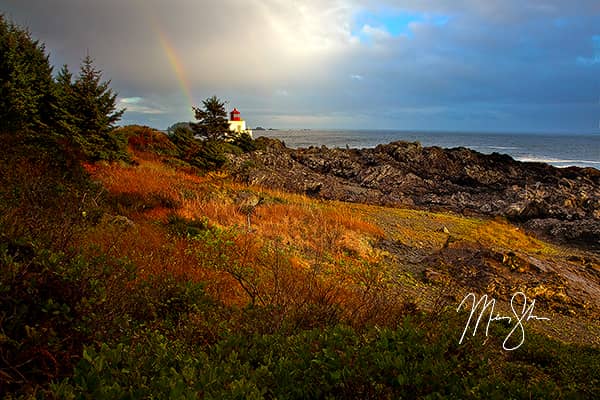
(560, 150)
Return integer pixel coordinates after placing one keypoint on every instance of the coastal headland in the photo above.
(561, 204)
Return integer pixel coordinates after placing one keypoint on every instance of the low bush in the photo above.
(145, 139)
(186, 227)
(245, 143)
(334, 362)
(45, 195)
(129, 202)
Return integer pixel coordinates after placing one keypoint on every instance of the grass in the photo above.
(329, 237)
(164, 289)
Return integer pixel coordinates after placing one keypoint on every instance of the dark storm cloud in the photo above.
(462, 64)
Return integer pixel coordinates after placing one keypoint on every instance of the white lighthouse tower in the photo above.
(237, 125)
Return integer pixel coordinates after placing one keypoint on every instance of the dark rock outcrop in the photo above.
(562, 203)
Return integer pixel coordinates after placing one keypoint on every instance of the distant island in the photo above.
(260, 128)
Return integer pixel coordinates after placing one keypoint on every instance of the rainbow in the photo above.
(175, 64)
(170, 52)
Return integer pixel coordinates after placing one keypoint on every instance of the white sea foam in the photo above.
(560, 150)
(501, 147)
(558, 162)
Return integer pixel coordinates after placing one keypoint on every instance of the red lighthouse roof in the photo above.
(235, 115)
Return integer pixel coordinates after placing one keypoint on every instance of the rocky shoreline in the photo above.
(561, 204)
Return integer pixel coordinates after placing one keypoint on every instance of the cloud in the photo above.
(138, 105)
(301, 61)
(375, 33)
(130, 100)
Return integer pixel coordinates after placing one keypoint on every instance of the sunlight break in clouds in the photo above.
(471, 64)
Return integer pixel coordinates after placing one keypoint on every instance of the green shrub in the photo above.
(230, 148)
(45, 195)
(574, 368)
(134, 202)
(148, 366)
(165, 298)
(210, 155)
(143, 138)
(336, 362)
(245, 142)
(186, 227)
(41, 314)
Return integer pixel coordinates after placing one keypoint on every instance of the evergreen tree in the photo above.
(25, 80)
(96, 101)
(87, 111)
(185, 125)
(64, 106)
(212, 120)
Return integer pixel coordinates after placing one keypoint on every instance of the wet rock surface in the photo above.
(568, 287)
(560, 204)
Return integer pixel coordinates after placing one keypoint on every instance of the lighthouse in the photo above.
(236, 124)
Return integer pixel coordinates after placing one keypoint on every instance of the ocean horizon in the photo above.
(557, 149)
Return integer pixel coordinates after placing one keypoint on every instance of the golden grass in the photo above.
(505, 236)
(425, 230)
(318, 237)
(342, 215)
(328, 249)
(147, 177)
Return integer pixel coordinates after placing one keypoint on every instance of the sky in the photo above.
(464, 65)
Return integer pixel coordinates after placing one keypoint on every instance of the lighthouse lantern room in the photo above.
(235, 115)
(237, 125)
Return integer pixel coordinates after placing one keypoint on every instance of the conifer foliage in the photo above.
(25, 80)
(80, 112)
(88, 111)
(212, 120)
